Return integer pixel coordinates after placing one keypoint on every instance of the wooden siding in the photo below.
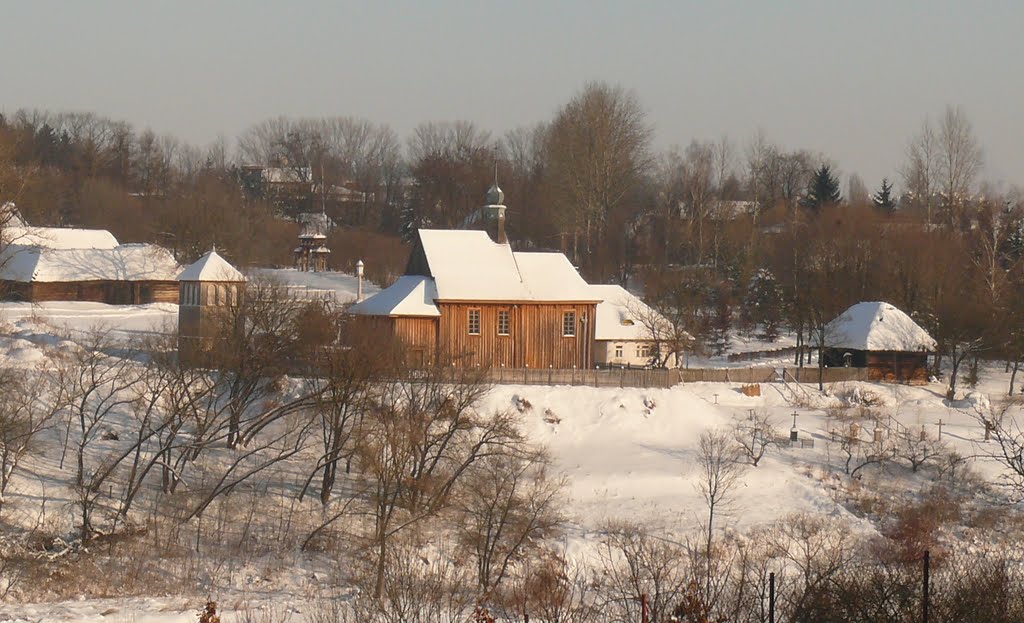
(419, 335)
(535, 338)
(109, 292)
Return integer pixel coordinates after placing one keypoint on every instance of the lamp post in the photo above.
(359, 285)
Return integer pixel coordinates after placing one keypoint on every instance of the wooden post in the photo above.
(643, 608)
(925, 594)
(771, 597)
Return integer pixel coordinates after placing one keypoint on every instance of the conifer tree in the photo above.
(883, 198)
(824, 189)
(763, 304)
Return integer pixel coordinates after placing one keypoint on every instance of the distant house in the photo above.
(883, 339)
(64, 264)
(630, 333)
(467, 295)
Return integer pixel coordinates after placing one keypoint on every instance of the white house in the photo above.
(629, 332)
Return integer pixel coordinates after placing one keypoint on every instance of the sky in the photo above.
(853, 80)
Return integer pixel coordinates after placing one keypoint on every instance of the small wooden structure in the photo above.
(210, 289)
(311, 254)
(878, 336)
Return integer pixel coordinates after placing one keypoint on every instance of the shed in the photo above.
(882, 338)
(66, 264)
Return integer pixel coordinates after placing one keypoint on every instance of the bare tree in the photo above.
(755, 434)
(27, 408)
(421, 439)
(1002, 421)
(720, 472)
(961, 159)
(921, 170)
(634, 562)
(598, 149)
(509, 506)
(917, 449)
(93, 387)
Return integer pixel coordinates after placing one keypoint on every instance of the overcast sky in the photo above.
(851, 79)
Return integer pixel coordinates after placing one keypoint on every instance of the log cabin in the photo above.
(467, 296)
(66, 264)
(882, 338)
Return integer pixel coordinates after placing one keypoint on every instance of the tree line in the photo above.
(721, 236)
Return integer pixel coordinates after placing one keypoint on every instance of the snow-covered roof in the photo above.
(411, 295)
(468, 266)
(551, 277)
(59, 237)
(211, 267)
(877, 325)
(621, 315)
(9, 215)
(126, 262)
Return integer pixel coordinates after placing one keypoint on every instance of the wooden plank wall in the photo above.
(535, 339)
(109, 292)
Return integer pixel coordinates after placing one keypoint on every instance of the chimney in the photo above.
(359, 286)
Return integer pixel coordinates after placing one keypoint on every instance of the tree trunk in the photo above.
(1013, 375)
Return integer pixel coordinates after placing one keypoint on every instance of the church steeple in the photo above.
(494, 210)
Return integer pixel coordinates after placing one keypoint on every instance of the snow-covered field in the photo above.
(628, 454)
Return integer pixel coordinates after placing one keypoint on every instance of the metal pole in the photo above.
(927, 564)
(771, 597)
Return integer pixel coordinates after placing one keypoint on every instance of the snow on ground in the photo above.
(25, 328)
(342, 286)
(628, 454)
(632, 454)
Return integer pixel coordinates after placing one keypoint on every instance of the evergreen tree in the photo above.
(824, 189)
(763, 303)
(883, 198)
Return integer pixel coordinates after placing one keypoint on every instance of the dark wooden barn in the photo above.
(62, 264)
(883, 339)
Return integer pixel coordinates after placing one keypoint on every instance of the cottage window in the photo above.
(504, 322)
(474, 322)
(618, 351)
(569, 324)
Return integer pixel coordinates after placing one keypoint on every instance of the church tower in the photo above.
(209, 291)
(494, 211)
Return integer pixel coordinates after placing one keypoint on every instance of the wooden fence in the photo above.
(668, 378)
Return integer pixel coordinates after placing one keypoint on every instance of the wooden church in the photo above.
(468, 297)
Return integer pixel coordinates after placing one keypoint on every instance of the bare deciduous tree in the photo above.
(598, 149)
(509, 506)
(755, 434)
(718, 459)
(421, 438)
(27, 408)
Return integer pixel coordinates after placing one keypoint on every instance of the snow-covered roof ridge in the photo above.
(211, 267)
(60, 237)
(468, 266)
(877, 326)
(411, 295)
(127, 262)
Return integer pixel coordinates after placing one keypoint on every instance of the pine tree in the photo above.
(883, 198)
(824, 189)
(763, 304)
